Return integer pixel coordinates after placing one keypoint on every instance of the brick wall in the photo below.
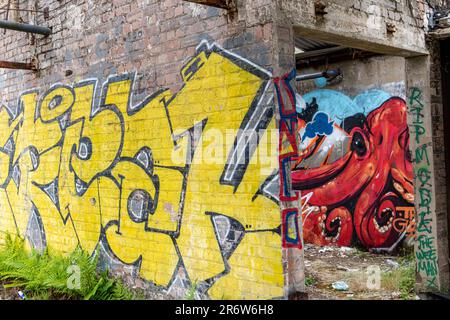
(126, 144)
(99, 153)
(439, 159)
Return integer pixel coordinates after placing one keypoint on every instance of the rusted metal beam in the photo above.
(222, 4)
(17, 65)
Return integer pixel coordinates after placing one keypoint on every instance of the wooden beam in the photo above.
(222, 4)
(17, 65)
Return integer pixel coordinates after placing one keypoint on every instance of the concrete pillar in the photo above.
(431, 262)
(293, 260)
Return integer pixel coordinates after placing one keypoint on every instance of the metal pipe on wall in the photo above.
(326, 74)
(24, 27)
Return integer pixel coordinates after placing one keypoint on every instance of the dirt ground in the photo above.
(8, 294)
(327, 265)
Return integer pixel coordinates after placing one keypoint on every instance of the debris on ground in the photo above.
(22, 295)
(393, 264)
(340, 286)
(326, 267)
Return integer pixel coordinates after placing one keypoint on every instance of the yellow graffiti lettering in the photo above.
(161, 185)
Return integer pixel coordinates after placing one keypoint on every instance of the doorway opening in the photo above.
(354, 172)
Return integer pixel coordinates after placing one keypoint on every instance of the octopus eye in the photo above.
(408, 155)
(404, 144)
(358, 144)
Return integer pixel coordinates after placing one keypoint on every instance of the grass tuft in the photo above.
(190, 294)
(402, 279)
(310, 281)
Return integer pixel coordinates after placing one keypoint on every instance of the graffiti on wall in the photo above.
(426, 253)
(288, 150)
(355, 170)
(85, 165)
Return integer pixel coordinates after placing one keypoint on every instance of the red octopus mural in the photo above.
(356, 179)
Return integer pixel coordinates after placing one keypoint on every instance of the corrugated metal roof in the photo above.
(311, 45)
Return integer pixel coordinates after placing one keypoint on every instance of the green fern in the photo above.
(44, 275)
(190, 294)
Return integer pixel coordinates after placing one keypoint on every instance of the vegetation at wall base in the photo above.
(190, 294)
(402, 279)
(310, 280)
(46, 275)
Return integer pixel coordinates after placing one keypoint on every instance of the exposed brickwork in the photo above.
(99, 38)
(154, 40)
(439, 158)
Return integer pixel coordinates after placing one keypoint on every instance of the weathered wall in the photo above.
(434, 263)
(128, 141)
(355, 171)
(430, 250)
(362, 23)
(82, 162)
(439, 71)
(379, 72)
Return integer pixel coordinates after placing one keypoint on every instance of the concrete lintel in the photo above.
(441, 33)
(355, 41)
